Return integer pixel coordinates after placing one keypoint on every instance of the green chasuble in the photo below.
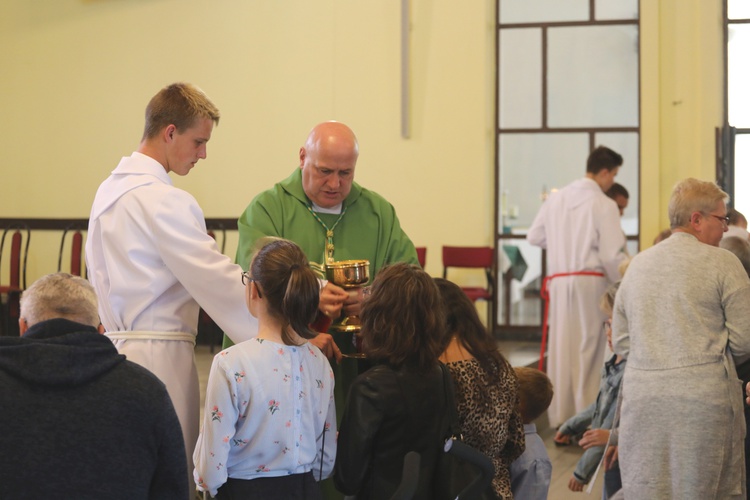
(368, 230)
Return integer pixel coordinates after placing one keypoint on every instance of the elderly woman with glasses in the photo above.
(681, 320)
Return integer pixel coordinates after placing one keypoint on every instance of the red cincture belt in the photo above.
(544, 293)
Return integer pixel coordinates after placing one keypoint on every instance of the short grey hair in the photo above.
(60, 295)
(693, 195)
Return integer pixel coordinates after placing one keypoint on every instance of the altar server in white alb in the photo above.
(579, 226)
(150, 259)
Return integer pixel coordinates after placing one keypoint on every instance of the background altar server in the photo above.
(150, 259)
(580, 228)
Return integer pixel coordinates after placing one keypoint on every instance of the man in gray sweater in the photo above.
(79, 420)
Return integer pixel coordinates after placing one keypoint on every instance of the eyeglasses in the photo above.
(246, 278)
(724, 219)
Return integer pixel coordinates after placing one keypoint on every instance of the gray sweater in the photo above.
(681, 315)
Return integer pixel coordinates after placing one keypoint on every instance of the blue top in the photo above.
(531, 473)
(267, 406)
(599, 415)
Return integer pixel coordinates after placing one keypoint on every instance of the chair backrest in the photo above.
(76, 251)
(17, 279)
(212, 234)
(480, 257)
(422, 255)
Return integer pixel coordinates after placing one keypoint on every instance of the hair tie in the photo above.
(294, 266)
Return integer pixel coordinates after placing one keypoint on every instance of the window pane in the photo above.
(593, 76)
(524, 262)
(627, 145)
(520, 78)
(534, 164)
(738, 9)
(537, 11)
(616, 9)
(742, 174)
(738, 75)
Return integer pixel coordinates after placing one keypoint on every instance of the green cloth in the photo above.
(369, 230)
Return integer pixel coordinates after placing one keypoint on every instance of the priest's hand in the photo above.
(325, 343)
(353, 304)
(332, 299)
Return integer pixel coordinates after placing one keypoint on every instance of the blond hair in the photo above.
(179, 104)
(693, 195)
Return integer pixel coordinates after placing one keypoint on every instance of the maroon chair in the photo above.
(422, 255)
(76, 251)
(10, 309)
(474, 258)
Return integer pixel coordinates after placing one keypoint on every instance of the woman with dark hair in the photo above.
(485, 384)
(269, 426)
(399, 404)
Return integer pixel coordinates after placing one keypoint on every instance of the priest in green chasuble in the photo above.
(332, 218)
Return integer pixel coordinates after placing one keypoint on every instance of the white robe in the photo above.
(152, 263)
(580, 228)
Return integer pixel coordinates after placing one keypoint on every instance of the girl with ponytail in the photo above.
(269, 426)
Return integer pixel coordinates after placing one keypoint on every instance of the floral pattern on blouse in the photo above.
(256, 425)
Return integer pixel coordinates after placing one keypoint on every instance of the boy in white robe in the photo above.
(151, 260)
(579, 226)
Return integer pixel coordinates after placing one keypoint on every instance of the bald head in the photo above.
(327, 160)
(331, 135)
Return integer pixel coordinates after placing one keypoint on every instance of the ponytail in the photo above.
(300, 304)
(289, 286)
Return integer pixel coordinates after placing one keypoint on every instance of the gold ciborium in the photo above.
(348, 274)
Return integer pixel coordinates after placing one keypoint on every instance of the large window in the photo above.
(733, 172)
(568, 81)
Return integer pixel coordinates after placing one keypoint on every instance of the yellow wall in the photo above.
(76, 75)
(681, 100)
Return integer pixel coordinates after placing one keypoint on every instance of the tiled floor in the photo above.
(519, 354)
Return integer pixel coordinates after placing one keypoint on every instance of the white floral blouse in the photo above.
(267, 405)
